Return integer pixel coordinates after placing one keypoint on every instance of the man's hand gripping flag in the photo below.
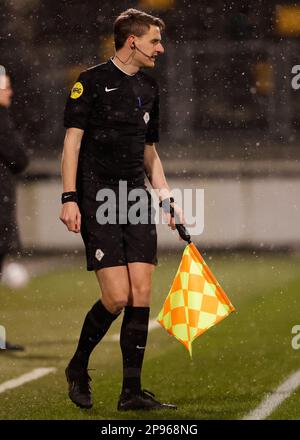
(196, 300)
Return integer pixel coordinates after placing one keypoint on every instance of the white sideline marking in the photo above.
(153, 324)
(28, 377)
(272, 401)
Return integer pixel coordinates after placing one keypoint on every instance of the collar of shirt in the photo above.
(121, 70)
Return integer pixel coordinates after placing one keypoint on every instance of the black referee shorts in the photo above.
(109, 245)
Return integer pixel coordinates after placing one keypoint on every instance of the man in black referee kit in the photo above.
(112, 121)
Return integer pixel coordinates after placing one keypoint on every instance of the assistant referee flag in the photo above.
(196, 300)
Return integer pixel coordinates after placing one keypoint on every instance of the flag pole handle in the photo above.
(182, 231)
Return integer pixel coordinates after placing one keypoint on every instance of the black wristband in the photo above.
(165, 204)
(70, 196)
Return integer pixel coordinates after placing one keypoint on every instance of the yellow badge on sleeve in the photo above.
(77, 90)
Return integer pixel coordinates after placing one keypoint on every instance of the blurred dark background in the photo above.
(230, 109)
(225, 77)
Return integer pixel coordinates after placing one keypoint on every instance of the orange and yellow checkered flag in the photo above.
(196, 300)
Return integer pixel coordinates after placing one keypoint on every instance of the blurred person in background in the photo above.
(13, 160)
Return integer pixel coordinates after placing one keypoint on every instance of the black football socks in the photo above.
(133, 341)
(96, 324)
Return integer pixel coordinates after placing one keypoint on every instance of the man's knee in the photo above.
(141, 295)
(116, 304)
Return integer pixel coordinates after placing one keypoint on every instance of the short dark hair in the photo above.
(133, 22)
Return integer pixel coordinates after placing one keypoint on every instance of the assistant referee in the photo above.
(112, 121)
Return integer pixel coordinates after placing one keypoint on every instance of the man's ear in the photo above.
(131, 41)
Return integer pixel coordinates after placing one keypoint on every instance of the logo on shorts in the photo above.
(146, 117)
(77, 90)
(99, 254)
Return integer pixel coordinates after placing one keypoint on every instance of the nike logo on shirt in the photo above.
(109, 90)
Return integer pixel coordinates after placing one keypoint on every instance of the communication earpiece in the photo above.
(133, 46)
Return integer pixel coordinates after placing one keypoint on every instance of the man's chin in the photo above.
(151, 63)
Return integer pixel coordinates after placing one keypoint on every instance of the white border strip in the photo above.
(2, 78)
(28, 377)
(272, 401)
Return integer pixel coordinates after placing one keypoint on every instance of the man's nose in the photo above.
(160, 48)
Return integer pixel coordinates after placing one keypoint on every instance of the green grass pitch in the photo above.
(235, 364)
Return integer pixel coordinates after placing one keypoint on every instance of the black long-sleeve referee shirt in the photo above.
(119, 114)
